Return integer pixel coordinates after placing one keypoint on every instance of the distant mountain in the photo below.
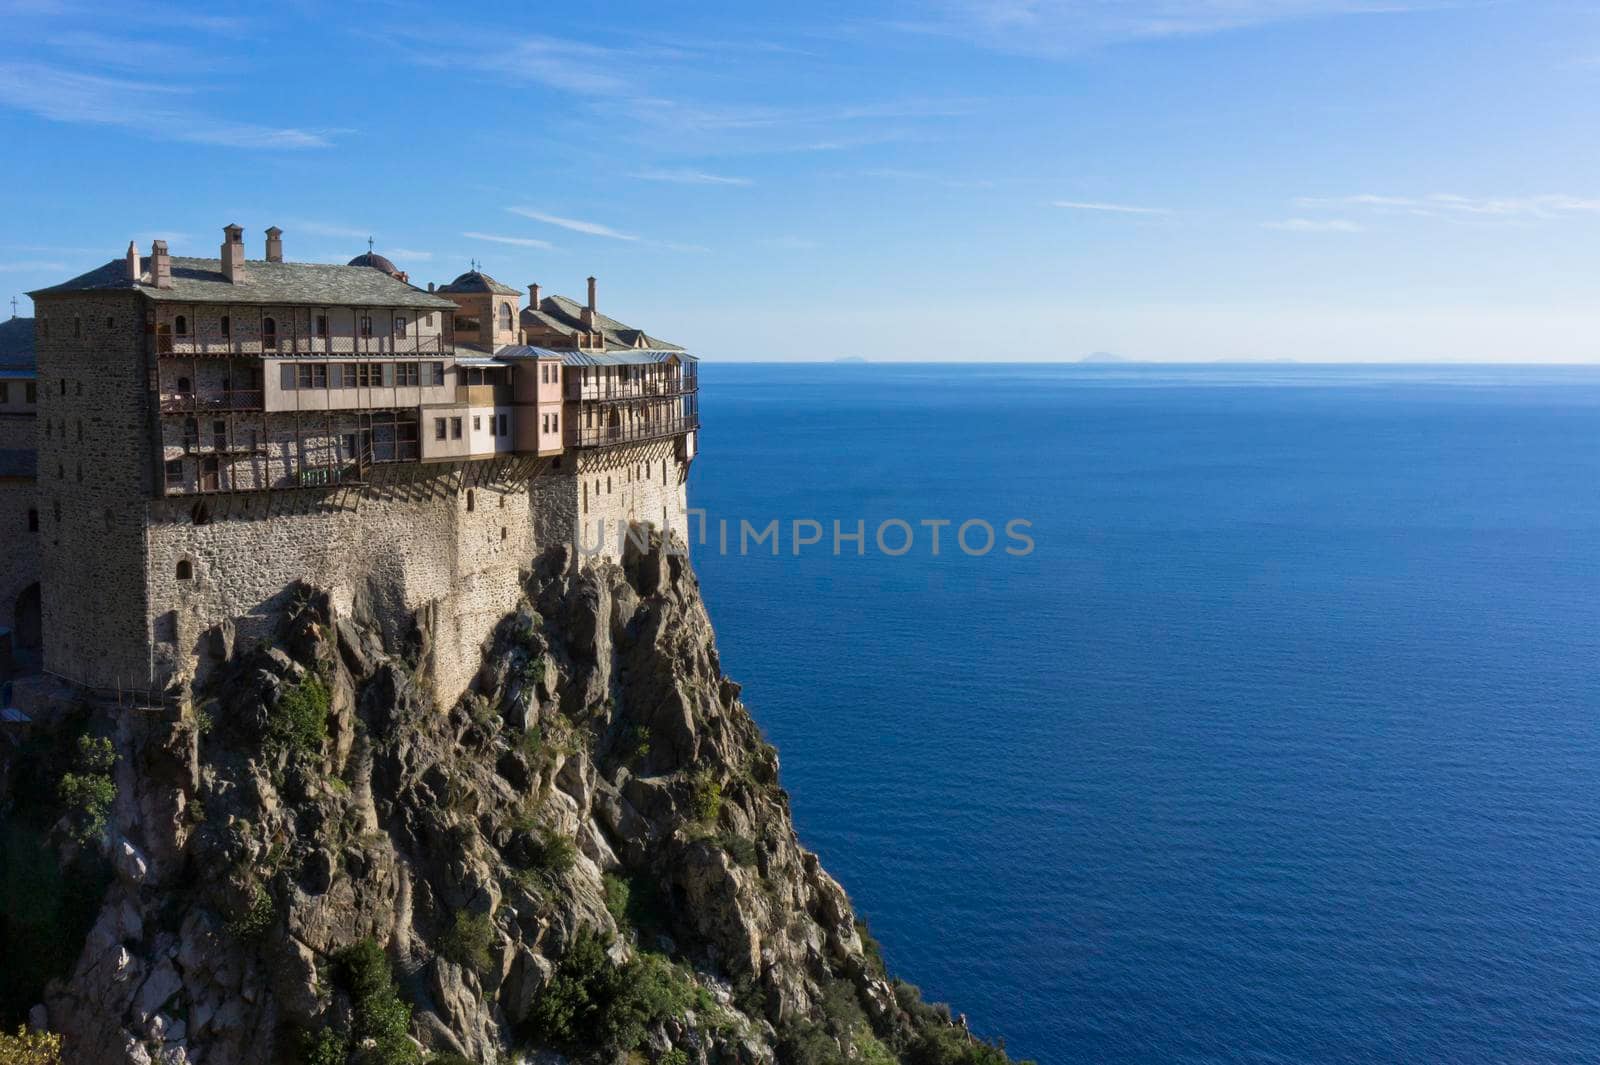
(1102, 356)
(850, 358)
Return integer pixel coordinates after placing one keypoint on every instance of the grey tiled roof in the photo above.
(202, 281)
(478, 281)
(17, 462)
(16, 344)
(624, 357)
(567, 316)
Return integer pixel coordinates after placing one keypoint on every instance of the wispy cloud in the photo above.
(1109, 208)
(593, 229)
(1063, 27)
(30, 266)
(927, 177)
(1314, 225)
(412, 253)
(1447, 205)
(152, 110)
(517, 242)
(689, 177)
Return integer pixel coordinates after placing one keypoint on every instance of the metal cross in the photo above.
(13, 306)
(369, 245)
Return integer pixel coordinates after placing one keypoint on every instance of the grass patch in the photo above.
(299, 723)
(705, 796)
(468, 941)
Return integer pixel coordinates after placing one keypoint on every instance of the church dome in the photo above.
(377, 262)
(478, 281)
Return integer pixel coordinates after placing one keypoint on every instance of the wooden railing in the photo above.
(655, 429)
(231, 399)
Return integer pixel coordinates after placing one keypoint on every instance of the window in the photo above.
(31, 392)
(505, 317)
(185, 569)
(472, 500)
(438, 428)
(175, 473)
(477, 424)
(219, 435)
(191, 434)
(407, 375)
(555, 423)
(399, 325)
(366, 325)
(77, 327)
(387, 376)
(503, 430)
(227, 326)
(366, 374)
(468, 325)
(63, 386)
(180, 326)
(322, 325)
(33, 520)
(435, 374)
(344, 376)
(544, 424)
(455, 428)
(311, 375)
(184, 387)
(491, 425)
(350, 445)
(502, 532)
(5, 392)
(111, 323)
(269, 332)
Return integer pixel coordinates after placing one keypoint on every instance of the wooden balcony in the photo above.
(234, 399)
(655, 429)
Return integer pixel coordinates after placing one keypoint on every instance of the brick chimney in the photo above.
(160, 265)
(588, 312)
(233, 253)
(274, 244)
(133, 262)
(533, 296)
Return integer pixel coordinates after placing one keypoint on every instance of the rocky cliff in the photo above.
(588, 856)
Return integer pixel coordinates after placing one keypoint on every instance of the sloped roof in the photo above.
(478, 281)
(566, 315)
(16, 344)
(202, 281)
(624, 357)
(375, 261)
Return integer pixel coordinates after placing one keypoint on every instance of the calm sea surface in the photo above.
(1282, 746)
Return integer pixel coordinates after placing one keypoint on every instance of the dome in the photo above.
(377, 262)
(478, 281)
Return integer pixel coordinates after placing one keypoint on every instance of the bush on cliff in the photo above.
(379, 1017)
(595, 1005)
(30, 1048)
(88, 791)
(299, 722)
(468, 941)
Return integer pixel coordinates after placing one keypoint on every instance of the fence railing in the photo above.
(655, 429)
(232, 399)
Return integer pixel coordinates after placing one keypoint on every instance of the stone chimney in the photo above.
(133, 262)
(588, 312)
(533, 296)
(160, 265)
(430, 286)
(274, 244)
(233, 253)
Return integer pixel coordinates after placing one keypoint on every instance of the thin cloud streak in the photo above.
(1109, 208)
(593, 229)
(1312, 225)
(67, 96)
(1448, 205)
(690, 177)
(516, 242)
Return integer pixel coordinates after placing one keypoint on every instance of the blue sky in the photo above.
(1310, 179)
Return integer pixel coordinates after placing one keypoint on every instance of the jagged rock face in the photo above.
(600, 718)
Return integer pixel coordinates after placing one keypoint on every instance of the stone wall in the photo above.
(19, 560)
(593, 491)
(94, 478)
(437, 547)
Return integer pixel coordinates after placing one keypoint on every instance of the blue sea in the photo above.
(1282, 744)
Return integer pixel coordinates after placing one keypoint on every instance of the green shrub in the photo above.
(616, 889)
(555, 854)
(88, 792)
(706, 796)
(635, 903)
(30, 1048)
(742, 851)
(468, 941)
(635, 744)
(381, 1018)
(593, 1004)
(872, 949)
(299, 723)
(254, 922)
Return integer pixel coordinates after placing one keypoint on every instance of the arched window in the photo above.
(184, 386)
(185, 569)
(77, 326)
(191, 434)
(269, 330)
(180, 326)
(472, 501)
(505, 317)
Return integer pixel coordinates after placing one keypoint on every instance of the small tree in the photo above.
(89, 791)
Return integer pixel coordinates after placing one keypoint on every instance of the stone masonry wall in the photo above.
(19, 560)
(595, 490)
(94, 476)
(437, 547)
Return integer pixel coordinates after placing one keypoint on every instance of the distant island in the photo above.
(1102, 356)
(850, 358)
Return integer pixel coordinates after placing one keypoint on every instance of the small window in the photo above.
(491, 425)
(472, 500)
(477, 424)
(502, 532)
(311, 375)
(555, 423)
(111, 323)
(455, 428)
(63, 386)
(400, 325)
(505, 317)
(345, 376)
(322, 325)
(366, 325)
(77, 388)
(180, 326)
(77, 326)
(185, 570)
(407, 374)
(269, 330)
(5, 392)
(185, 387)
(33, 520)
(438, 429)
(227, 326)
(503, 430)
